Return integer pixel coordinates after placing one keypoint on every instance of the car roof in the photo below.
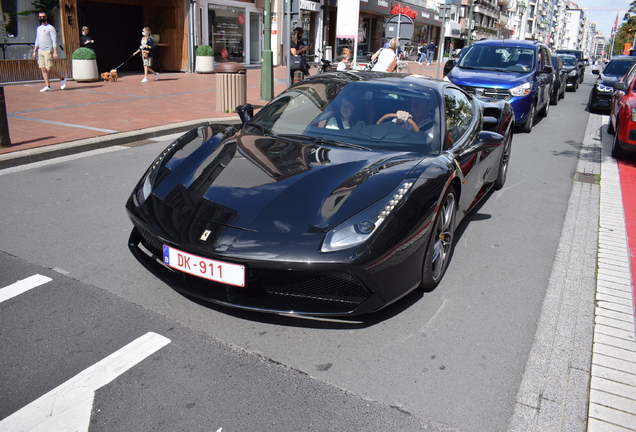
(509, 42)
(398, 79)
(623, 58)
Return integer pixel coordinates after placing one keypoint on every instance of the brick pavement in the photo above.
(581, 373)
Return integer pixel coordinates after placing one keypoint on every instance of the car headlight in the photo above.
(151, 174)
(521, 90)
(360, 227)
(603, 88)
(633, 110)
(573, 73)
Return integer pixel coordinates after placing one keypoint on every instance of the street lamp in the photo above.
(521, 11)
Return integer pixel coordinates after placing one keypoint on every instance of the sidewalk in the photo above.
(118, 112)
(581, 373)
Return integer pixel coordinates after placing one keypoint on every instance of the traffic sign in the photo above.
(400, 27)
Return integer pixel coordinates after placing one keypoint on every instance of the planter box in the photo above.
(204, 64)
(85, 70)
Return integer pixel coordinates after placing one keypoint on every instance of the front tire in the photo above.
(617, 151)
(545, 110)
(502, 172)
(440, 244)
(527, 126)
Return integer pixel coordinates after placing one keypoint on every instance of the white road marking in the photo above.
(61, 159)
(68, 406)
(22, 286)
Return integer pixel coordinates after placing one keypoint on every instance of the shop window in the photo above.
(227, 32)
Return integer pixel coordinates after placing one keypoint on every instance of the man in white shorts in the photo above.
(45, 50)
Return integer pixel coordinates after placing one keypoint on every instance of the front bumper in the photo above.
(601, 100)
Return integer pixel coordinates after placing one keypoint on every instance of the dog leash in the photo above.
(124, 62)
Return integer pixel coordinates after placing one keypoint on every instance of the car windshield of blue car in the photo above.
(617, 68)
(362, 115)
(498, 58)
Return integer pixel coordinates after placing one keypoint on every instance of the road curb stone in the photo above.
(553, 395)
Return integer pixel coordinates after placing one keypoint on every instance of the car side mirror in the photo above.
(596, 71)
(620, 86)
(546, 69)
(245, 112)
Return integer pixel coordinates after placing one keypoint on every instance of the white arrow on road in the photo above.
(68, 406)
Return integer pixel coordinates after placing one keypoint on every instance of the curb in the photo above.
(22, 157)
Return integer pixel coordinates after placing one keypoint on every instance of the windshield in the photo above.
(499, 58)
(360, 114)
(577, 54)
(569, 61)
(617, 68)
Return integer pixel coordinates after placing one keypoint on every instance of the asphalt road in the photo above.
(451, 359)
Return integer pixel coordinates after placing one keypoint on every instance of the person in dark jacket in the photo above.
(147, 49)
(431, 50)
(85, 40)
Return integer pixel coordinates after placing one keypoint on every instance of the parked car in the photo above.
(518, 71)
(452, 60)
(570, 66)
(601, 94)
(559, 81)
(622, 121)
(292, 213)
(581, 61)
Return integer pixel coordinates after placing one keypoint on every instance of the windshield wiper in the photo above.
(320, 140)
(263, 129)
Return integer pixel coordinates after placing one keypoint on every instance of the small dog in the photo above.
(106, 77)
(113, 74)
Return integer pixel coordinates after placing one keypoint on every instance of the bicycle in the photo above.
(403, 67)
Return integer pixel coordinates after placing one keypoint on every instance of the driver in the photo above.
(420, 113)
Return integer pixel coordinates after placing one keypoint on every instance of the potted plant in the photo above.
(204, 59)
(84, 65)
(157, 26)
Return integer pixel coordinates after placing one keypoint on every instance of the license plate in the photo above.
(218, 271)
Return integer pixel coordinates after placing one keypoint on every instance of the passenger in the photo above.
(420, 113)
(345, 118)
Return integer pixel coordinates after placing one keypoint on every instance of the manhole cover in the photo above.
(586, 178)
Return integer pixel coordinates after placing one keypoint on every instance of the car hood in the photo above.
(607, 80)
(481, 78)
(270, 184)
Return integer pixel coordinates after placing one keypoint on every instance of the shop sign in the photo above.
(397, 9)
(309, 5)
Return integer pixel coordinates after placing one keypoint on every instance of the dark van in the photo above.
(580, 59)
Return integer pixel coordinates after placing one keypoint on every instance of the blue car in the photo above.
(517, 71)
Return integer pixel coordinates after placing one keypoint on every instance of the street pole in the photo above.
(267, 71)
(470, 23)
(5, 140)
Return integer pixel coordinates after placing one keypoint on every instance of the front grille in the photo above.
(152, 243)
(300, 291)
(487, 93)
(329, 286)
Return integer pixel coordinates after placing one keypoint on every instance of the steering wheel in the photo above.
(392, 115)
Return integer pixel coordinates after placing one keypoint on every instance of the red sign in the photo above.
(241, 19)
(224, 53)
(398, 9)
